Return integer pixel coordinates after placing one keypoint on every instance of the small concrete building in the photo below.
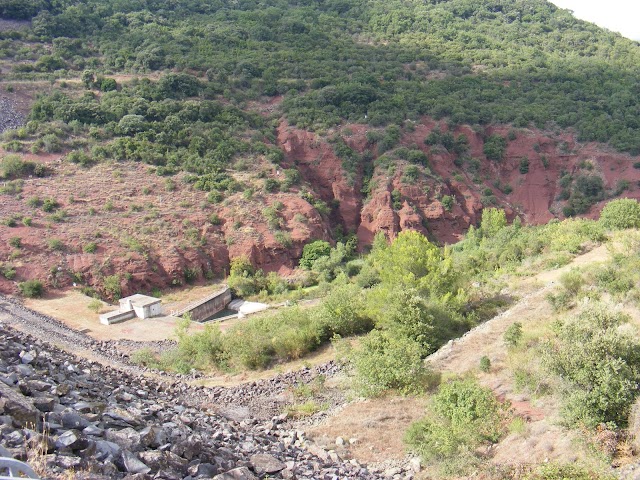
(141, 306)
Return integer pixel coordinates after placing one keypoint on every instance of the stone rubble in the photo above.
(67, 414)
(9, 117)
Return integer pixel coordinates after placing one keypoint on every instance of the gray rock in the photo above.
(71, 419)
(44, 404)
(68, 439)
(127, 438)
(264, 463)
(153, 437)
(27, 357)
(93, 430)
(242, 473)
(132, 464)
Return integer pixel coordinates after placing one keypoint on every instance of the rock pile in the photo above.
(9, 117)
(64, 414)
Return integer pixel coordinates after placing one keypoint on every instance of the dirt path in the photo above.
(463, 354)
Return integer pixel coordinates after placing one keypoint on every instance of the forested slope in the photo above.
(306, 120)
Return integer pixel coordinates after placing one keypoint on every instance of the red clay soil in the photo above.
(154, 238)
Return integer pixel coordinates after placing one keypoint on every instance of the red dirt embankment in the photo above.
(153, 235)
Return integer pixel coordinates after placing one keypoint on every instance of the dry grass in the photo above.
(377, 424)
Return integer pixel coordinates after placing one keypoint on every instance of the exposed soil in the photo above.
(153, 236)
(375, 428)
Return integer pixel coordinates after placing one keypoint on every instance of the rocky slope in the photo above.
(77, 419)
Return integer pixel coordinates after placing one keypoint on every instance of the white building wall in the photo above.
(156, 310)
(139, 312)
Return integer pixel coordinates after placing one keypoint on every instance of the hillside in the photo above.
(259, 129)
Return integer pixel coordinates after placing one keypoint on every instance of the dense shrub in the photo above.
(462, 416)
(387, 361)
(31, 288)
(312, 251)
(620, 214)
(599, 364)
(494, 147)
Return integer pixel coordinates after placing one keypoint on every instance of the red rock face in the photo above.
(176, 236)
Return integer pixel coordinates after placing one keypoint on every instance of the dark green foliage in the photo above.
(31, 288)
(15, 242)
(385, 361)
(50, 205)
(463, 415)
(485, 364)
(599, 363)
(12, 166)
(447, 202)
(524, 165)
(312, 251)
(580, 75)
(494, 147)
(513, 335)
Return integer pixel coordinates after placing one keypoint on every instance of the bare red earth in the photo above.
(153, 237)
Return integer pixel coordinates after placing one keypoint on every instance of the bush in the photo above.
(599, 365)
(31, 288)
(385, 361)
(620, 214)
(55, 244)
(485, 364)
(111, 286)
(90, 247)
(513, 335)
(200, 350)
(312, 251)
(494, 148)
(493, 220)
(14, 167)
(463, 416)
(49, 205)
(342, 312)
(15, 242)
(7, 271)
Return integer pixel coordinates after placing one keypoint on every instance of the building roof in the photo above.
(139, 300)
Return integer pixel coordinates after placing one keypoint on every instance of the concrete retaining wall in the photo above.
(207, 307)
(116, 317)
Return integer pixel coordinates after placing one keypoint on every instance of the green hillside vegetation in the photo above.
(408, 297)
(522, 62)
(409, 291)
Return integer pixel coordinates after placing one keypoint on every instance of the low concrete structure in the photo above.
(208, 306)
(245, 308)
(141, 306)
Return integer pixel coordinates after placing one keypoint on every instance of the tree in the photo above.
(411, 261)
(493, 220)
(495, 147)
(599, 364)
(386, 361)
(88, 78)
(312, 251)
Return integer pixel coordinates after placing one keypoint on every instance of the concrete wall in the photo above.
(209, 306)
(116, 317)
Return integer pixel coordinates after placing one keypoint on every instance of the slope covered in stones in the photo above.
(63, 414)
